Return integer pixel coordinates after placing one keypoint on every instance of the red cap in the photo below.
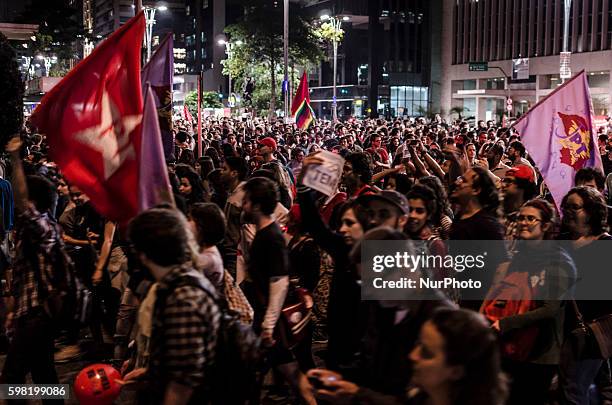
(521, 172)
(269, 142)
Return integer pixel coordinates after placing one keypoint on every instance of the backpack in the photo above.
(232, 377)
(69, 301)
(513, 296)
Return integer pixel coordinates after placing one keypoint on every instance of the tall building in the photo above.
(519, 44)
(106, 15)
(11, 9)
(389, 53)
(88, 16)
(206, 20)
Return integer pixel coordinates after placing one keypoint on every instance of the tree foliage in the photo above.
(11, 93)
(328, 32)
(260, 99)
(60, 26)
(260, 30)
(210, 99)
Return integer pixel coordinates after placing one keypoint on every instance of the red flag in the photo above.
(300, 108)
(92, 120)
(187, 114)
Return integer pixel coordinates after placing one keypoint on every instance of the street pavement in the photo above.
(67, 373)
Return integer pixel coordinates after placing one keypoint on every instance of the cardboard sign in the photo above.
(325, 177)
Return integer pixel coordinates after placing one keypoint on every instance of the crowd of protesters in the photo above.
(246, 234)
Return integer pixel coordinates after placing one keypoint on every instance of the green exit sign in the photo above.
(479, 66)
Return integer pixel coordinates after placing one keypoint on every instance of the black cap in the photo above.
(390, 196)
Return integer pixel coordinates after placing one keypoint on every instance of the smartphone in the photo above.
(317, 383)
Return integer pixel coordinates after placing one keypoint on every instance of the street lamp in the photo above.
(150, 22)
(336, 24)
(286, 59)
(228, 51)
(565, 71)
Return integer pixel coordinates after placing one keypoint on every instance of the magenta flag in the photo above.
(159, 72)
(154, 184)
(558, 133)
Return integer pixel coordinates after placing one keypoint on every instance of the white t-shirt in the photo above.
(210, 263)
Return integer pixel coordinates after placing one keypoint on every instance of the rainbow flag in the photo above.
(300, 108)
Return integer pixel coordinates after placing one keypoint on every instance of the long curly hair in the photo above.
(444, 207)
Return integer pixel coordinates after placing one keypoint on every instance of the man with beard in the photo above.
(494, 157)
(233, 173)
(478, 200)
(268, 269)
(516, 155)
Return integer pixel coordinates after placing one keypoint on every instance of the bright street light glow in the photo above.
(33, 38)
(324, 17)
(346, 18)
(222, 42)
(162, 8)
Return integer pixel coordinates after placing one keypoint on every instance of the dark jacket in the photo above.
(344, 309)
(384, 365)
(554, 264)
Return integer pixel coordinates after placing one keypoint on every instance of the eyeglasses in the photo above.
(460, 180)
(572, 207)
(530, 219)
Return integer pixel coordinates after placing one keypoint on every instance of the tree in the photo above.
(458, 111)
(60, 27)
(260, 30)
(210, 99)
(261, 96)
(11, 93)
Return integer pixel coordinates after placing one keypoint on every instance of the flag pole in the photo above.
(200, 79)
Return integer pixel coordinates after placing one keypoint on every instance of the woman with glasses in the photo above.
(585, 223)
(549, 271)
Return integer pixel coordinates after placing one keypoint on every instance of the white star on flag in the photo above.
(112, 136)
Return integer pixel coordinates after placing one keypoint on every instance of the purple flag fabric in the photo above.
(159, 71)
(558, 133)
(154, 184)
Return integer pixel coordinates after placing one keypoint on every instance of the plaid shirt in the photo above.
(185, 327)
(38, 236)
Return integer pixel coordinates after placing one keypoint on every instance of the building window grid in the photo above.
(409, 100)
(465, 36)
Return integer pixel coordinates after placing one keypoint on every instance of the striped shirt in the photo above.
(185, 327)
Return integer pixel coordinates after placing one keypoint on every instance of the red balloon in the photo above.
(96, 385)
